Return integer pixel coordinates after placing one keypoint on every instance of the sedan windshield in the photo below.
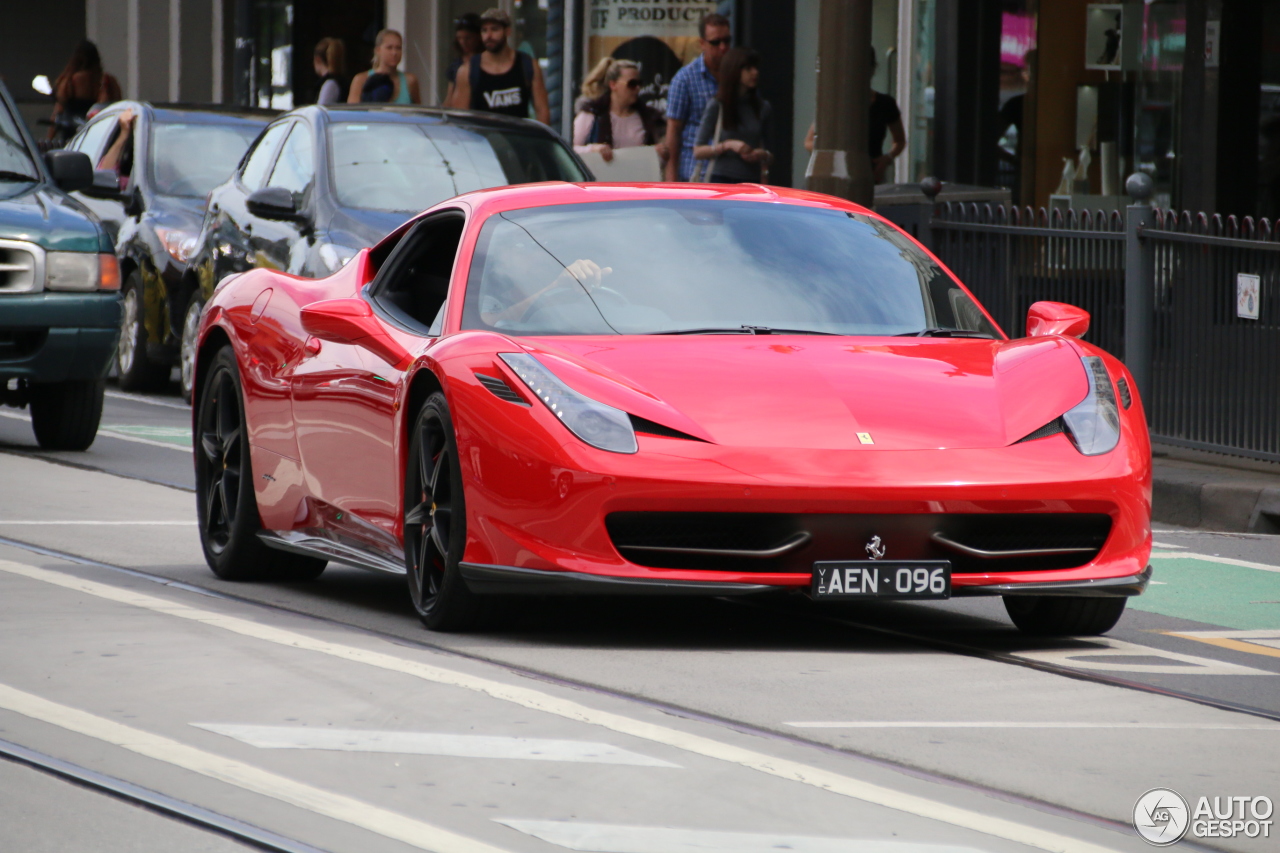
(15, 160)
(399, 166)
(708, 267)
(191, 159)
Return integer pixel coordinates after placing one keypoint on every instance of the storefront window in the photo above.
(273, 55)
(1159, 87)
(920, 127)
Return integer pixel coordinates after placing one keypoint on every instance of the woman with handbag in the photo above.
(616, 118)
(731, 145)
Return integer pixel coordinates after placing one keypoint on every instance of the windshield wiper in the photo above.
(6, 175)
(743, 330)
(943, 333)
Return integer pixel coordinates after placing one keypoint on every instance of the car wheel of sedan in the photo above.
(137, 372)
(226, 507)
(65, 415)
(187, 353)
(1064, 616)
(435, 523)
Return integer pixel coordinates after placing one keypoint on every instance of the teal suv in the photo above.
(59, 289)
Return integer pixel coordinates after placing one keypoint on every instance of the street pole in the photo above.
(1139, 284)
(839, 164)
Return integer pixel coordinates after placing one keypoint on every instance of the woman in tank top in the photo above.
(385, 82)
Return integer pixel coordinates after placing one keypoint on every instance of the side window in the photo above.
(415, 282)
(93, 139)
(295, 167)
(254, 175)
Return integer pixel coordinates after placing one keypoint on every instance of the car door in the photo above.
(345, 397)
(231, 223)
(282, 244)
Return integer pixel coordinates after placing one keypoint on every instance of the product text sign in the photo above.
(658, 18)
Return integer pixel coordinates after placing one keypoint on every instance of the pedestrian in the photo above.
(501, 79)
(884, 118)
(385, 82)
(691, 89)
(736, 124)
(616, 118)
(81, 85)
(329, 60)
(466, 44)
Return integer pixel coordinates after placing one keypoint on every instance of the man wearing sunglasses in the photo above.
(691, 88)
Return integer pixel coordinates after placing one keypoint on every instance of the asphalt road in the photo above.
(324, 714)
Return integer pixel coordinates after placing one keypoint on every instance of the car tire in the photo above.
(1064, 616)
(187, 350)
(135, 369)
(226, 506)
(435, 523)
(65, 415)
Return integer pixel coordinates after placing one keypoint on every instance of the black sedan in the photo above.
(156, 165)
(321, 183)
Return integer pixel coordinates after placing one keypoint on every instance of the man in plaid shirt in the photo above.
(691, 88)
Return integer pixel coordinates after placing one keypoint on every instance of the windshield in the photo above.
(15, 160)
(409, 167)
(707, 266)
(191, 159)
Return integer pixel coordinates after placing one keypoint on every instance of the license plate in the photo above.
(882, 579)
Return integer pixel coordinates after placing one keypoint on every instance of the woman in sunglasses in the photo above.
(615, 119)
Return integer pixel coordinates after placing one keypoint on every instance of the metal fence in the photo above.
(1167, 292)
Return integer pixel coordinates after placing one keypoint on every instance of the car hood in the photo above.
(40, 214)
(358, 229)
(821, 392)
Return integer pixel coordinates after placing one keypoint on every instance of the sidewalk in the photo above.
(1195, 488)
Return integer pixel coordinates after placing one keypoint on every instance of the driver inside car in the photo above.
(510, 307)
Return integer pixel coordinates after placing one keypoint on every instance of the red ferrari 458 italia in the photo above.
(666, 389)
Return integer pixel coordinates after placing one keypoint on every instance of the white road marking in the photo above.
(952, 724)
(1226, 561)
(1180, 664)
(151, 401)
(611, 838)
(526, 697)
(428, 743)
(337, 806)
(96, 523)
(102, 432)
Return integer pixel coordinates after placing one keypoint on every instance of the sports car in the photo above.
(666, 389)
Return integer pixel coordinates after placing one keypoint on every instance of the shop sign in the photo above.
(659, 18)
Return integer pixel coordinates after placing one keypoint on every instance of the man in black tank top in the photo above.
(501, 79)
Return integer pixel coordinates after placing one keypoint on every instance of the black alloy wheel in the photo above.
(226, 506)
(435, 523)
(1064, 616)
(135, 368)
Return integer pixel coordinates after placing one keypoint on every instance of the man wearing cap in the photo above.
(501, 79)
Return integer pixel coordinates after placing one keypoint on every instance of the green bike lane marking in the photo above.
(177, 436)
(1210, 590)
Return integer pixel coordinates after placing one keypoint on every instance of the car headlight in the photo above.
(81, 271)
(335, 257)
(1094, 425)
(595, 423)
(180, 245)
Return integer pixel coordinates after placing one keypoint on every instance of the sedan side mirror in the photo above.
(1056, 318)
(273, 203)
(351, 321)
(71, 170)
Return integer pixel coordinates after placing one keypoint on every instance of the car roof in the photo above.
(211, 113)
(499, 199)
(415, 114)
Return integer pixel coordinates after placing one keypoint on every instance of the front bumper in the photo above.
(58, 337)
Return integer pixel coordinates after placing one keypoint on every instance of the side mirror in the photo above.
(132, 198)
(105, 184)
(273, 203)
(351, 321)
(1056, 318)
(71, 170)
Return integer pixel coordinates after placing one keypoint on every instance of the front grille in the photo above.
(21, 343)
(21, 267)
(782, 542)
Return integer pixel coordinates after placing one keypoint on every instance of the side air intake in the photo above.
(1053, 427)
(502, 390)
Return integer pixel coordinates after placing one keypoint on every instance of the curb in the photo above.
(1217, 502)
